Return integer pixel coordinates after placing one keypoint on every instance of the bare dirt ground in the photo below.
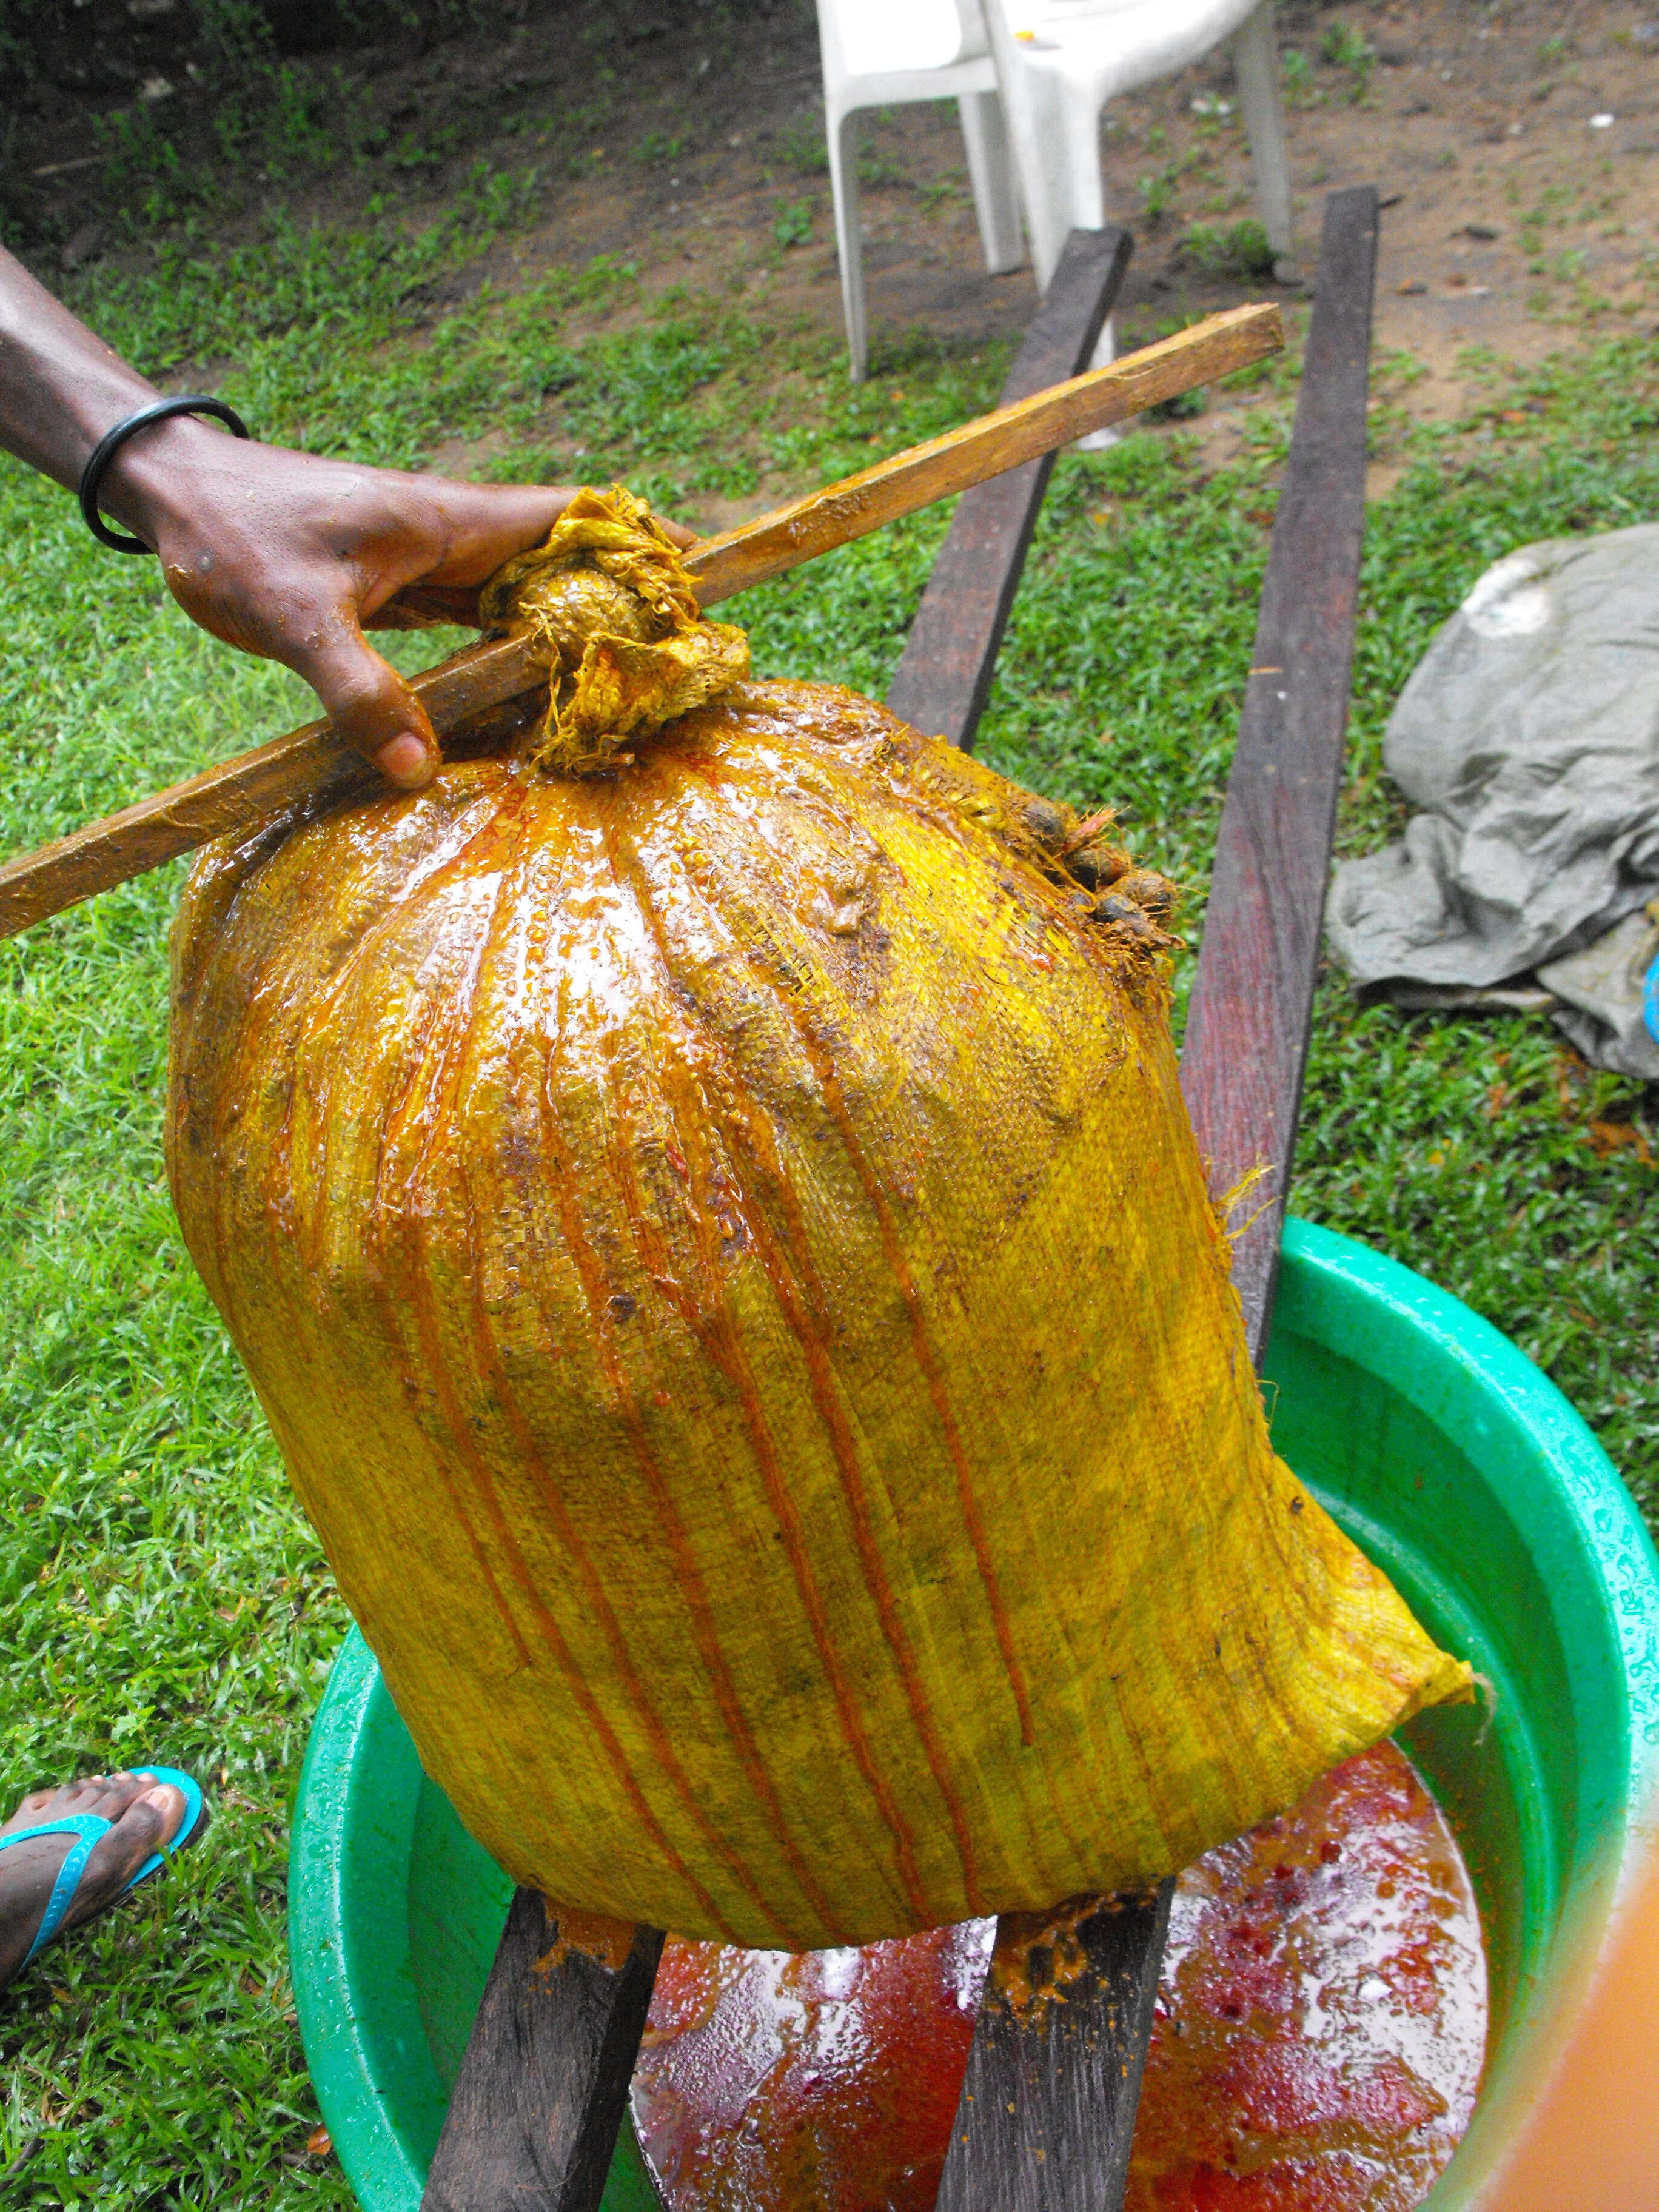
(1517, 146)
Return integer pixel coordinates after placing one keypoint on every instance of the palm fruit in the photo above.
(706, 1205)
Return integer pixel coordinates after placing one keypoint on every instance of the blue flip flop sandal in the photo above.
(86, 1828)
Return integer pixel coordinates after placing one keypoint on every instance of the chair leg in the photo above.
(1256, 62)
(1066, 130)
(991, 168)
(1031, 138)
(841, 134)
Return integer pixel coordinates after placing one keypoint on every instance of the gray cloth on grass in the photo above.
(1601, 994)
(1530, 735)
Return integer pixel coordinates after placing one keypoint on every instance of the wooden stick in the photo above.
(240, 794)
(824, 520)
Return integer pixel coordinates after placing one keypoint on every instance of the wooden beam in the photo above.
(1046, 2118)
(1252, 1002)
(972, 588)
(537, 2105)
(1048, 2107)
(940, 684)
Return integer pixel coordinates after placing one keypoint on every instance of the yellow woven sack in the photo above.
(706, 1208)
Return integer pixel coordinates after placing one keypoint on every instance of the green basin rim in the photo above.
(1327, 1281)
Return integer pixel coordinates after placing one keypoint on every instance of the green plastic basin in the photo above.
(1443, 1451)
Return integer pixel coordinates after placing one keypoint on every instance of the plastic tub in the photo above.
(1443, 1451)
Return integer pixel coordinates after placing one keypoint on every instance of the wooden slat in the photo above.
(1252, 1003)
(1049, 2100)
(1028, 2138)
(543, 2086)
(940, 684)
(240, 794)
(980, 564)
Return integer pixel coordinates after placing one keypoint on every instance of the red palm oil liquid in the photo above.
(1316, 2046)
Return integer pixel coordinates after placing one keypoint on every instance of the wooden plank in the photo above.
(1049, 2100)
(537, 2105)
(940, 684)
(1252, 1002)
(1047, 2114)
(1028, 2138)
(978, 571)
(241, 793)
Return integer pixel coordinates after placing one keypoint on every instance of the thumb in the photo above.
(372, 707)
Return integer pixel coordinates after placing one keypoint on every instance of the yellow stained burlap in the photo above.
(715, 1233)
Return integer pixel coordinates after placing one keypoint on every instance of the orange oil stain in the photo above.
(689, 1583)
(806, 1319)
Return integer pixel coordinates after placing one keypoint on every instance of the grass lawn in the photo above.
(162, 1597)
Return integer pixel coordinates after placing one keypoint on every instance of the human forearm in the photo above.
(282, 553)
(61, 387)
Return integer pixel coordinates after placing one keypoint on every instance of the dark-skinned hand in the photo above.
(284, 554)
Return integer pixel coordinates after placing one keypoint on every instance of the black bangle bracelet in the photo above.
(188, 403)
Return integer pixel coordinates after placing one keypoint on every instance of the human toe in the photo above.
(113, 1793)
(148, 1821)
(125, 1792)
(169, 1800)
(30, 1809)
(55, 1802)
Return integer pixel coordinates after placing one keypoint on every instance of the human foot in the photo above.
(145, 1815)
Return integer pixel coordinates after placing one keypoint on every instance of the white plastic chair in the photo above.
(886, 54)
(1060, 61)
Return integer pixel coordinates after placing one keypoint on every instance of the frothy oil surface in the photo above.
(1321, 2018)
(1317, 2046)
